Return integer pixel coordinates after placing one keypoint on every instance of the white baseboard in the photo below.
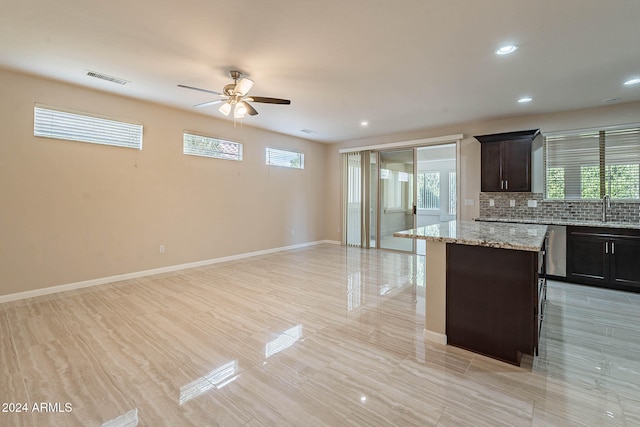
(435, 337)
(104, 280)
(332, 242)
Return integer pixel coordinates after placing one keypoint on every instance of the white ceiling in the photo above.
(401, 65)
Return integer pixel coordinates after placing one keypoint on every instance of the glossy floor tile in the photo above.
(321, 336)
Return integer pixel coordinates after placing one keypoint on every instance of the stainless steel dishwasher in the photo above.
(557, 251)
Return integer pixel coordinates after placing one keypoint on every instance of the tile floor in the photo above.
(322, 336)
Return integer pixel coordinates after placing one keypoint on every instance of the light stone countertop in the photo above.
(522, 237)
(551, 221)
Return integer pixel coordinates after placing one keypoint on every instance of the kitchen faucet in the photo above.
(606, 204)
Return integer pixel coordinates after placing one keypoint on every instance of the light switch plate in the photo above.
(512, 203)
(468, 202)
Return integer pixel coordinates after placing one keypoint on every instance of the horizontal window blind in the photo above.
(590, 164)
(622, 163)
(200, 145)
(286, 158)
(50, 122)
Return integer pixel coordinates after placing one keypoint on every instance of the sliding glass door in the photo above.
(436, 189)
(396, 195)
(400, 189)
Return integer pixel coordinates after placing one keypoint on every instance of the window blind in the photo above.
(429, 190)
(200, 145)
(588, 164)
(50, 122)
(286, 158)
(622, 163)
(452, 192)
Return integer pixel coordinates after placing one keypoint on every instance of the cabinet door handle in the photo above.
(502, 184)
(606, 247)
(613, 248)
(506, 184)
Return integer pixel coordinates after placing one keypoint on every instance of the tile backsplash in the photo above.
(583, 210)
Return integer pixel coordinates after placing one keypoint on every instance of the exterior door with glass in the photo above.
(396, 209)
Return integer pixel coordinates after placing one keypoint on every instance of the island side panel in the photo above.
(435, 292)
(490, 301)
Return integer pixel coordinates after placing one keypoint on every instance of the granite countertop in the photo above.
(523, 237)
(551, 221)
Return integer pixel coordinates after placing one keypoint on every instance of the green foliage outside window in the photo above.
(295, 163)
(199, 145)
(622, 181)
(199, 142)
(555, 183)
(590, 182)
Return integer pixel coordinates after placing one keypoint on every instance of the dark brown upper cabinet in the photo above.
(506, 161)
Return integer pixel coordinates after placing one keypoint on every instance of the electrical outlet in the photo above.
(492, 202)
(161, 249)
(512, 203)
(532, 203)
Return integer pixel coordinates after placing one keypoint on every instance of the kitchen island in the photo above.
(485, 286)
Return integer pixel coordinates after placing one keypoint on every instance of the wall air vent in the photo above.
(107, 78)
(309, 131)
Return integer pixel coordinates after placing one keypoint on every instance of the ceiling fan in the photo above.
(234, 96)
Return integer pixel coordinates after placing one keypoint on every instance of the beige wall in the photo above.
(73, 211)
(470, 149)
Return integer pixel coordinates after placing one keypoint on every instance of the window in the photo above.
(452, 192)
(354, 169)
(589, 164)
(622, 163)
(393, 189)
(429, 190)
(50, 122)
(286, 158)
(200, 145)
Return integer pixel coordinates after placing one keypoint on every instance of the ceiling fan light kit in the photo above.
(225, 108)
(234, 95)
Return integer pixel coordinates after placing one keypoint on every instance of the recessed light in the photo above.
(634, 81)
(506, 50)
(525, 99)
(364, 123)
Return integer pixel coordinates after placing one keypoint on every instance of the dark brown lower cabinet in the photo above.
(605, 257)
(494, 300)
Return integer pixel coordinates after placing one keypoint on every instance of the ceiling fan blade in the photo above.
(201, 90)
(269, 100)
(208, 103)
(243, 86)
(250, 110)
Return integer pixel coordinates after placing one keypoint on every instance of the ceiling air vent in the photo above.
(107, 78)
(309, 131)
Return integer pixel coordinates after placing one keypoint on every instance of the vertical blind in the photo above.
(589, 164)
(428, 190)
(452, 192)
(354, 199)
(50, 122)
